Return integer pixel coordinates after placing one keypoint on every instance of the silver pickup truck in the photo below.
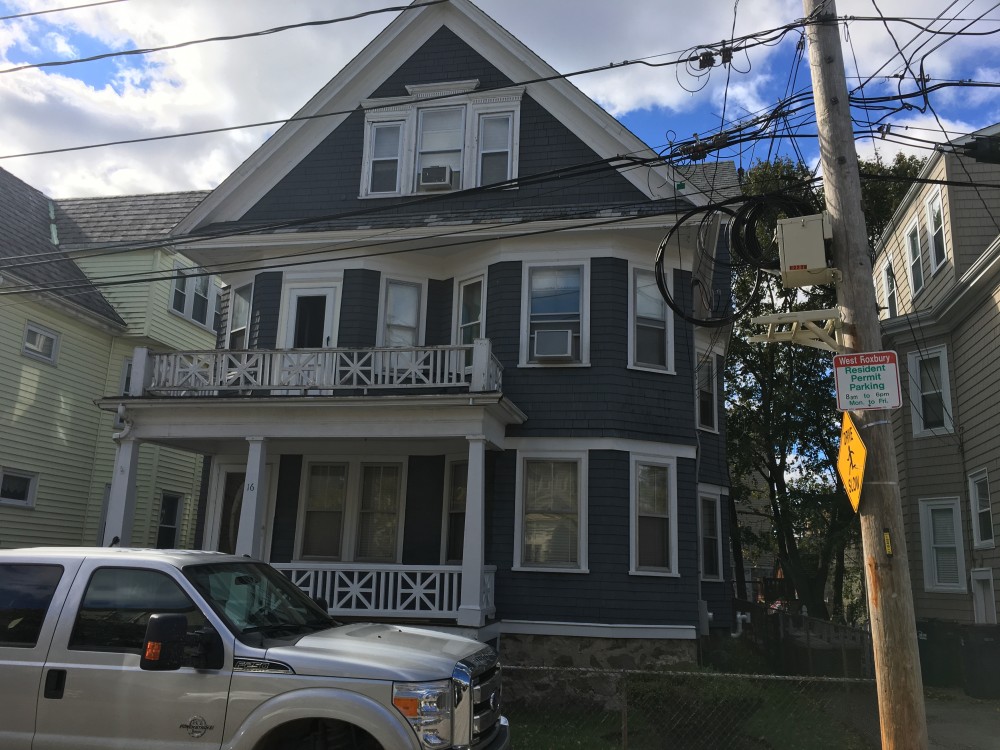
(156, 649)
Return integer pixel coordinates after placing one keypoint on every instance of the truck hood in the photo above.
(377, 651)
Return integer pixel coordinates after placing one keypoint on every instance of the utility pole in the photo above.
(887, 572)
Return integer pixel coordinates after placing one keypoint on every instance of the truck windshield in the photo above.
(256, 601)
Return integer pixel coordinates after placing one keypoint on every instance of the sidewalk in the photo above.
(957, 722)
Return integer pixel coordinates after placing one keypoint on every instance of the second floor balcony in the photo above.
(319, 372)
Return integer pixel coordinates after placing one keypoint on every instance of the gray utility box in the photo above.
(802, 250)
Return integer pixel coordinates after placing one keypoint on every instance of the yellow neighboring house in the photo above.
(68, 342)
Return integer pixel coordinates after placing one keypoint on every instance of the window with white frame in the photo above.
(454, 521)
(930, 391)
(378, 512)
(194, 295)
(984, 603)
(469, 323)
(654, 504)
(416, 145)
(171, 504)
(710, 528)
(401, 314)
(915, 259)
(17, 488)
(935, 231)
(555, 315)
(652, 324)
(239, 317)
(323, 515)
(707, 402)
(40, 343)
(124, 386)
(941, 539)
(981, 509)
(889, 287)
(551, 520)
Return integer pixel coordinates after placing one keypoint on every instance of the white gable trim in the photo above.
(358, 79)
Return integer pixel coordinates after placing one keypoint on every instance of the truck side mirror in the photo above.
(163, 645)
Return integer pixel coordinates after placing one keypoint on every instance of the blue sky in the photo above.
(267, 78)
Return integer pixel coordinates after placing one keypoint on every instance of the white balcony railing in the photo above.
(315, 371)
(388, 591)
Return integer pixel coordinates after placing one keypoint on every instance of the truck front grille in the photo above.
(478, 688)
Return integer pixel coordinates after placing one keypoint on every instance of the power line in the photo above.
(57, 10)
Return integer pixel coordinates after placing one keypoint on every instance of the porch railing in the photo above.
(388, 591)
(315, 371)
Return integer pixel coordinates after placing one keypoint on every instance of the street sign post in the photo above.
(851, 460)
(869, 380)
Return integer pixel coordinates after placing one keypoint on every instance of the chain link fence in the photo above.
(592, 709)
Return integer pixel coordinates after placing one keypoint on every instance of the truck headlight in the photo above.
(428, 708)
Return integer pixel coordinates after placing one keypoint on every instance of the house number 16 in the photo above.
(251, 486)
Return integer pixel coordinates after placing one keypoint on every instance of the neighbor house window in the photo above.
(412, 146)
(550, 514)
(171, 504)
(124, 386)
(941, 538)
(711, 537)
(555, 314)
(981, 509)
(458, 481)
(17, 487)
(402, 314)
(935, 231)
(889, 286)
(40, 343)
(707, 406)
(652, 324)
(930, 397)
(915, 266)
(654, 536)
(194, 295)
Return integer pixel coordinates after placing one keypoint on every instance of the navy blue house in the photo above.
(446, 388)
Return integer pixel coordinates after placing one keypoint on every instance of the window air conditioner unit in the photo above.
(556, 344)
(435, 177)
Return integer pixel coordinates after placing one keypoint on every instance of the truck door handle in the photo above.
(55, 683)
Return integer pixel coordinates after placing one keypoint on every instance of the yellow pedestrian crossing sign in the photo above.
(851, 460)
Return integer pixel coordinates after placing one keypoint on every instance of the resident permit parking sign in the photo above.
(868, 380)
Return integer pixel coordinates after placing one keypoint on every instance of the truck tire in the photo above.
(319, 734)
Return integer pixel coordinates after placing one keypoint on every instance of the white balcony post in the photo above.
(121, 498)
(480, 365)
(250, 535)
(470, 609)
(141, 372)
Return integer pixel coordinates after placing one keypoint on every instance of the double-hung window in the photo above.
(651, 335)
(454, 533)
(40, 343)
(707, 402)
(420, 144)
(551, 521)
(914, 259)
(194, 295)
(17, 488)
(889, 287)
(981, 510)
(941, 538)
(239, 320)
(555, 315)
(470, 314)
(401, 317)
(654, 516)
(935, 231)
(930, 391)
(710, 527)
(171, 504)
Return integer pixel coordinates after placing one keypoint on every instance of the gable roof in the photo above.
(28, 254)
(126, 219)
(363, 76)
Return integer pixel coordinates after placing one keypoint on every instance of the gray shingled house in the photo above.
(446, 388)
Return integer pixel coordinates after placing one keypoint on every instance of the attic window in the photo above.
(440, 138)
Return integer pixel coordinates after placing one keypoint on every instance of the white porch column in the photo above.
(470, 610)
(250, 536)
(121, 498)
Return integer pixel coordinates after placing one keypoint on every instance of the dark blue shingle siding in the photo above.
(359, 309)
(264, 310)
(439, 313)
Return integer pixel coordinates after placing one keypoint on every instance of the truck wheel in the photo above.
(320, 734)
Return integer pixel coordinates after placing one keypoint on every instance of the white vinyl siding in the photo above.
(941, 539)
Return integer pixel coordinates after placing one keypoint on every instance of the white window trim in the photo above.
(352, 505)
(32, 478)
(290, 291)
(913, 370)
(985, 574)
(889, 277)
(523, 358)
(710, 359)
(124, 383)
(229, 313)
(210, 305)
(671, 465)
(456, 332)
(405, 110)
(977, 537)
(32, 327)
(551, 455)
(421, 313)
(935, 196)
(450, 462)
(669, 322)
(911, 227)
(715, 497)
(930, 585)
(181, 501)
